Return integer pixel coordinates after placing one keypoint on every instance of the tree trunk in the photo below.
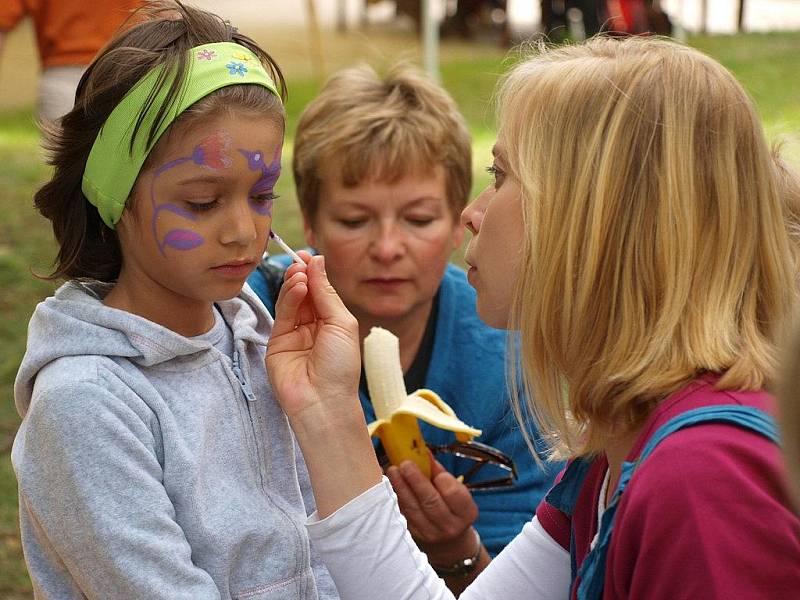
(740, 17)
(704, 17)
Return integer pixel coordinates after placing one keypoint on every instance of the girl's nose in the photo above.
(240, 226)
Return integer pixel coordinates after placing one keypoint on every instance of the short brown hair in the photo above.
(381, 129)
(162, 35)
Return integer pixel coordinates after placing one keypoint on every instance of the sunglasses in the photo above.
(481, 455)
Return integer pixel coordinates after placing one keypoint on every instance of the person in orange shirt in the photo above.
(68, 34)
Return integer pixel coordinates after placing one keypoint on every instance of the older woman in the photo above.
(382, 168)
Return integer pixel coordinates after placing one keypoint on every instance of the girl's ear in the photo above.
(308, 230)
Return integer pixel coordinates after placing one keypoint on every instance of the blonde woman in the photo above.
(383, 168)
(635, 237)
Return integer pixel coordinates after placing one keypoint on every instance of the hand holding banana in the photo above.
(397, 412)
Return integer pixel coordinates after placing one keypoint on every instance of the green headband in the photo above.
(114, 164)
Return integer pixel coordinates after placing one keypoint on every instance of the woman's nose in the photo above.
(472, 215)
(388, 243)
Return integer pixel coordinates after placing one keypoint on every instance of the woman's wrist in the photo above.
(324, 420)
(460, 573)
(461, 551)
(338, 453)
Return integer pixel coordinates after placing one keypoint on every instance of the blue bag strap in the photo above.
(563, 497)
(592, 571)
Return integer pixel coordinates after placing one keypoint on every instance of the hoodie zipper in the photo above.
(251, 397)
(237, 372)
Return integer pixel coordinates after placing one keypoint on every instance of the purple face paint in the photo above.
(269, 177)
(212, 153)
(183, 239)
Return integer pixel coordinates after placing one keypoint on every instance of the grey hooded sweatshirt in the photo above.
(151, 465)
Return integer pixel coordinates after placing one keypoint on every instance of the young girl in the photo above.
(153, 460)
(635, 236)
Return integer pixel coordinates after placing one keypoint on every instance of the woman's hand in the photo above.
(314, 363)
(440, 512)
(313, 352)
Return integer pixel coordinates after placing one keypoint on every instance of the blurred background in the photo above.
(466, 44)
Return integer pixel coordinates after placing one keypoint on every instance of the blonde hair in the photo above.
(655, 248)
(789, 393)
(368, 128)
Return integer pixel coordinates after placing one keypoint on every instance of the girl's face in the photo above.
(386, 244)
(494, 252)
(200, 214)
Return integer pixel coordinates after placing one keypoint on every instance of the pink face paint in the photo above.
(212, 153)
(269, 177)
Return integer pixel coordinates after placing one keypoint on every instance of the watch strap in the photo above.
(463, 567)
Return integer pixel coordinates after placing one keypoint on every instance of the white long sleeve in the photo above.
(370, 554)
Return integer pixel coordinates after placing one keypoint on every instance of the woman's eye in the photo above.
(352, 223)
(420, 221)
(202, 205)
(498, 175)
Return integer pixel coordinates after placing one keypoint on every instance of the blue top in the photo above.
(467, 370)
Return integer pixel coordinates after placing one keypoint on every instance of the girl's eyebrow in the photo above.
(202, 179)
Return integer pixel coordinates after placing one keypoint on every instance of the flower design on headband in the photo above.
(242, 56)
(206, 55)
(235, 68)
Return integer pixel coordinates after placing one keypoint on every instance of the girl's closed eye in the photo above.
(202, 205)
(264, 198)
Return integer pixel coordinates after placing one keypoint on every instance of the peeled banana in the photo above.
(396, 411)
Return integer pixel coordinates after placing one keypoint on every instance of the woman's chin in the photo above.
(493, 316)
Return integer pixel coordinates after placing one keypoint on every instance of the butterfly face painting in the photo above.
(203, 211)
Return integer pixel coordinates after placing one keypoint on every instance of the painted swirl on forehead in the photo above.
(212, 153)
(269, 177)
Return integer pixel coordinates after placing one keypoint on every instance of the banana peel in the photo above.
(397, 412)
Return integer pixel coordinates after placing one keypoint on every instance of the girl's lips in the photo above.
(235, 269)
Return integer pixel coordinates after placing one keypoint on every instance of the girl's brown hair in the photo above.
(159, 34)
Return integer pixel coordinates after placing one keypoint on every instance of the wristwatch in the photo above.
(463, 567)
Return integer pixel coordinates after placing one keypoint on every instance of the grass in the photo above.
(766, 64)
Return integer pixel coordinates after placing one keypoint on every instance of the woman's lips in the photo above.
(387, 283)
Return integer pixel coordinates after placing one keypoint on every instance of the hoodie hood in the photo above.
(75, 322)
